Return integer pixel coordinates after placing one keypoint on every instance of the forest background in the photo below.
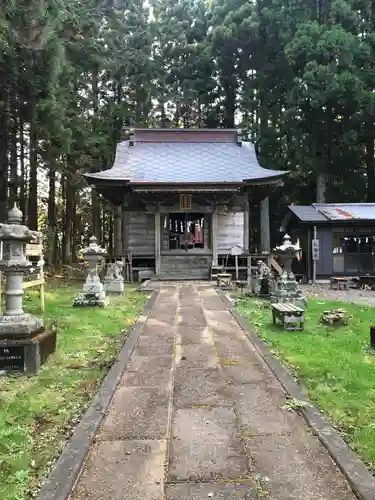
(298, 76)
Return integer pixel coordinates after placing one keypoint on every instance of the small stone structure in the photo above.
(114, 281)
(335, 317)
(263, 283)
(93, 293)
(24, 342)
(286, 286)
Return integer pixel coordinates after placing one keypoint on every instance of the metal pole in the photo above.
(314, 261)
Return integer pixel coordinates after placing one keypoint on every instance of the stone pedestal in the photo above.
(113, 281)
(24, 343)
(287, 290)
(93, 293)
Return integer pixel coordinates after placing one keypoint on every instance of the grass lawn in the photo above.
(37, 413)
(333, 363)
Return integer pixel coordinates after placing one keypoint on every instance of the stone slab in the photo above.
(223, 328)
(212, 304)
(163, 329)
(154, 345)
(297, 468)
(199, 356)
(193, 335)
(136, 413)
(223, 316)
(259, 410)
(123, 469)
(155, 377)
(249, 373)
(197, 387)
(143, 363)
(194, 317)
(156, 322)
(205, 446)
(166, 315)
(233, 349)
(197, 491)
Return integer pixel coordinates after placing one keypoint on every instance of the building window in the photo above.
(353, 254)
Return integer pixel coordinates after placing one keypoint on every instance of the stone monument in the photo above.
(93, 293)
(286, 286)
(114, 281)
(24, 342)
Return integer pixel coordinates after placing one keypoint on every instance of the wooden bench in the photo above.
(290, 316)
(340, 283)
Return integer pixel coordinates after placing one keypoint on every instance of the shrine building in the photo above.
(185, 197)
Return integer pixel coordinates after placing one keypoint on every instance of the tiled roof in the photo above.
(173, 161)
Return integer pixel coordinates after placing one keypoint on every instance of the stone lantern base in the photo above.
(114, 286)
(90, 298)
(287, 290)
(24, 345)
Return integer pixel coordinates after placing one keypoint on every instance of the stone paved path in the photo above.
(199, 415)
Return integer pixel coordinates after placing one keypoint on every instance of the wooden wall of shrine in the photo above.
(141, 232)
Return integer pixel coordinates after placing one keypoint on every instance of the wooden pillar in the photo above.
(214, 236)
(125, 231)
(157, 239)
(265, 237)
(246, 227)
(246, 238)
(118, 231)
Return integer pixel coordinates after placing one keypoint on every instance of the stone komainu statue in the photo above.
(263, 271)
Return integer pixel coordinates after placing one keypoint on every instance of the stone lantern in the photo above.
(286, 286)
(24, 343)
(287, 253)
(93, 293)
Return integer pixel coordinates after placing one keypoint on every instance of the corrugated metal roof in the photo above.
(186, 162)
(347, 211)
(307, 213)
(326, 212)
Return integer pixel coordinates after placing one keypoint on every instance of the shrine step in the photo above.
(180, 267)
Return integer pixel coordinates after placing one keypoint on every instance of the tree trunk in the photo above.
(75, 227)
(95, 215)
(95, 200)
(52, 243)
(321, 186)
(229, 86)
(69, 218)
(33, 179)
(370, 163)
(23, 180)
(13, 171)
(3, 152)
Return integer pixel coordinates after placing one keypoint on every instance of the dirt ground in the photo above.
(352, 295)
